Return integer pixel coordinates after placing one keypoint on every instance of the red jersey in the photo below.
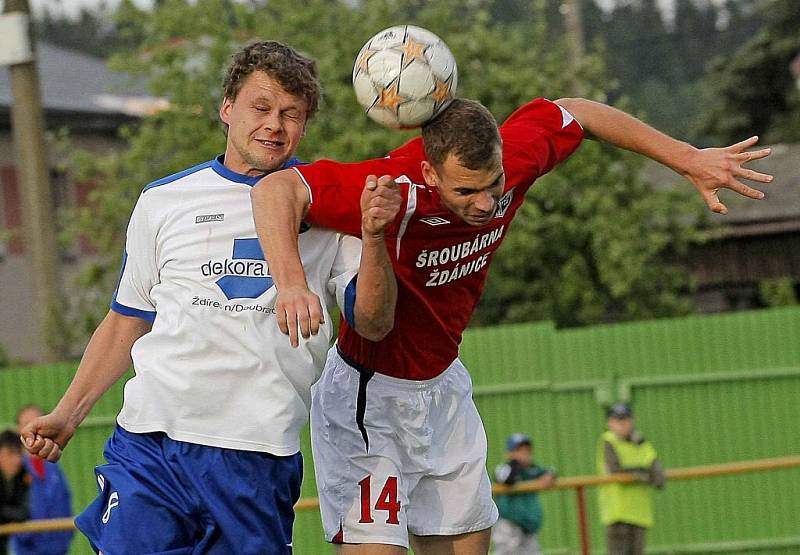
(441, 262)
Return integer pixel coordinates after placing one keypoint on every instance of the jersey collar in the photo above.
(218, 165)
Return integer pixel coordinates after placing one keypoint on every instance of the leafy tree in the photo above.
(753, 88)
(91, 32)
(589, 245)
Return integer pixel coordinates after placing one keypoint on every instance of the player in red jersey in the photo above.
(399, 448)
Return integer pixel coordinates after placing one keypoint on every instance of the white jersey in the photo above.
(215, 369)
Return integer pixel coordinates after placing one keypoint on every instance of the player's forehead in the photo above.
(260, 86)
(454, 174)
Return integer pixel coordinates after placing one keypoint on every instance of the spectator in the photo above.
(520, 515)
(627, 509)
(13, 483)
(50, 497)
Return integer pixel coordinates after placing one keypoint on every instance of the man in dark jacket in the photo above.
(14, 483)
(520, 515)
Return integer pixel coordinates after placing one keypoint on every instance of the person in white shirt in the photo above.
(205, 456)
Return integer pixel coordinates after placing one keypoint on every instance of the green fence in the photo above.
(706, 389)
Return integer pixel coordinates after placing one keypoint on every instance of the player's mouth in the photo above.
(480, 219)
(273, 145)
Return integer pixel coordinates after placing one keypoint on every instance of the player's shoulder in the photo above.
(413, 149)
(176, 177)
(539, 109)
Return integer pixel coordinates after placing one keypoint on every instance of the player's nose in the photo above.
(272, 121)
(485, 202)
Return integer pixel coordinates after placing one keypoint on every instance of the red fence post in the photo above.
(583, 528)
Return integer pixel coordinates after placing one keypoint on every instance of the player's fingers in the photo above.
(304, 321)
(371, 183)
(712, 200)
(387, 182)
(38, 443)
(315, 312)
(55, 454)
(293, 323)
(47, 448)
(743, 157)
(742, 189)
(280, 314)
(27, 437)
(753, 175)
(742, 145)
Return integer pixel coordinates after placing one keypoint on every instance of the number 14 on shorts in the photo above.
(386, 501)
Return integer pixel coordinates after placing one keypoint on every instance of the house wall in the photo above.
(728, 272)
(18, 335)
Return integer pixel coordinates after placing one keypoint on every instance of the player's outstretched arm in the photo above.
(376, 289)
(279, 202)
(106, 359)
(709, 169)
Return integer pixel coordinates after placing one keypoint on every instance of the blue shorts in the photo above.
(158, 495)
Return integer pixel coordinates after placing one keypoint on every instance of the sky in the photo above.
(72, 7)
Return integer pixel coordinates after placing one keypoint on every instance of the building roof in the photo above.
(77, 83)
(780, 207)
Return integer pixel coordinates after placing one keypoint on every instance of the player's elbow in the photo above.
(374, 327)
(570, 104)
(283, 186)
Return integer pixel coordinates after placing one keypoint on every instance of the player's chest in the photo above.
(196, 231)
(441, 251)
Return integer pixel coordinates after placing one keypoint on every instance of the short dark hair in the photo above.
(465, 129)
(297, 74)
(9, 438)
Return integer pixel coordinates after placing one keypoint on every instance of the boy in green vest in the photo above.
(520, 515)
(627, 509)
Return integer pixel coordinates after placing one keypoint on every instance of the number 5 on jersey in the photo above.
(387, 501)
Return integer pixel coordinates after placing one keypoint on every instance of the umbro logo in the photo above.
(209, 218)
(504, 203)
(434, 220)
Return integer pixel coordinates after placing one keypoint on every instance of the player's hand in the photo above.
(299, 312)
(380, 203)
(47, 436)
(548, 480)
(712, 169)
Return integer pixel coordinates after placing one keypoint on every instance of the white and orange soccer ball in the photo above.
(404, 76)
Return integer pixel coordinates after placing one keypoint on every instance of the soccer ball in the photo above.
(404, 76)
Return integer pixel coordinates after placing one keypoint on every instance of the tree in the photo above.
(753, 88)
(92, 32)
(583, 236)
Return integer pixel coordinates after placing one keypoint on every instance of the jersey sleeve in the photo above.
(344, 275)
(335, 190)
(538, 136)
(139, 271)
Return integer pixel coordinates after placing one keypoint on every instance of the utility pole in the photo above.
(573, 26)
(27, 123)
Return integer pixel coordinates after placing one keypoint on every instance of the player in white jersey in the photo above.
(205, 457)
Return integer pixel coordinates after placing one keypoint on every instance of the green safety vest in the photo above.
(632, 502)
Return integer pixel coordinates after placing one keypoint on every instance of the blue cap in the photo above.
(619, 410)
(516, 440)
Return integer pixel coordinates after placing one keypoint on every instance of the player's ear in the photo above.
(430, 174)
(225, 110)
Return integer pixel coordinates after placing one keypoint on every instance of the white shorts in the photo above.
(510, 539)
(395, 456)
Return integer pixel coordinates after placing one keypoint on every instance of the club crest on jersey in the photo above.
(245, 275)
(434, 220)
(504, 203)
